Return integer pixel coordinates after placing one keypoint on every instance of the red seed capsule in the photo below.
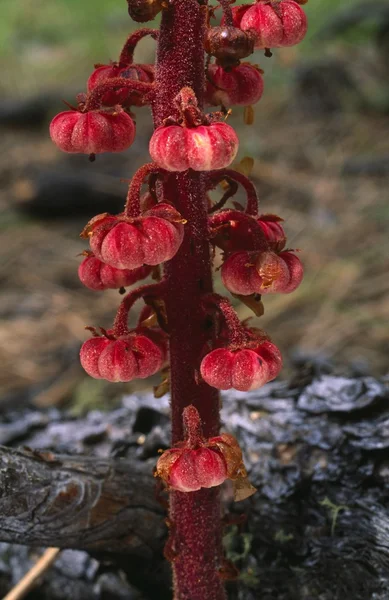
(240, 86)
(98, 276)
(244, 369)
(93, 132)
(276, 23)
(273, 230)
(90, 354)
(247, 273)
(198, 462)
(202, 148)
(188, 470)
(129, 244)
(296, 271)
(124, 97)
(137, 355)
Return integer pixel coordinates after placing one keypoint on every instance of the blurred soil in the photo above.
(320, 145)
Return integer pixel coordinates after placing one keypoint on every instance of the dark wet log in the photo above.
(79, 502)
(317, 449)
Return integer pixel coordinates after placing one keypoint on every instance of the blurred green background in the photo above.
(320, 144)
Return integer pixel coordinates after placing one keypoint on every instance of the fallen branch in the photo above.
(79, 502)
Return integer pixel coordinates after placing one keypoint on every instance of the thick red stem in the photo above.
(195, 516)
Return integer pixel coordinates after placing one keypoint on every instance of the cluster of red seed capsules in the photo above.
(131, 246)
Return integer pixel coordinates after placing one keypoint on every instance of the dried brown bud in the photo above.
(229, 44)
(144, 10)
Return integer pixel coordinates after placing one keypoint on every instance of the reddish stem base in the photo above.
(195, 516)
(197, 532)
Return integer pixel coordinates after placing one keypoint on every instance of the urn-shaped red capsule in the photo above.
(198, 462)
(188, 470)
(202, 148)
(137, 355)
(243, 369)
(130, 243)
(240, 86)
(93, 132)
(90, 355)
(98, 276)
(273, 230)
(276, 23)
(124, 97)
(247, 273)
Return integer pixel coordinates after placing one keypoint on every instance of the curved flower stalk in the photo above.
(170, 229)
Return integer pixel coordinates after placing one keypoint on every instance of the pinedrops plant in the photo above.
(171, 230)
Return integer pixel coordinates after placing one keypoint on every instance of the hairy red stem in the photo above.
(195, 516)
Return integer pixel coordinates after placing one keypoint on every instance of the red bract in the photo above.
(127, 243)
(247, 273)
(98, 276)
(202, 148)
(244, 369)
(124, 97)
(240, 86)
(93, 132)
(276, 23)
(137, 355)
